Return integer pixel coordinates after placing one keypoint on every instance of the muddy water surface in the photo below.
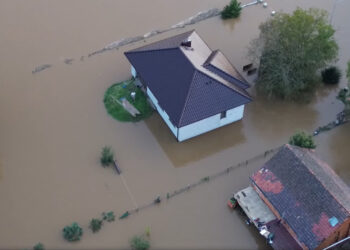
(53, 126)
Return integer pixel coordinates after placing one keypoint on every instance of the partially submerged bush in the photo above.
(107, 156)
(139, 243)
(108, 216)
(331, 75)
(233, 10)
(72, 232)
(95, 225)
(39, 246)
(301, 139)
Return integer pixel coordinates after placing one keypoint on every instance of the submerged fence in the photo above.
(203, 180)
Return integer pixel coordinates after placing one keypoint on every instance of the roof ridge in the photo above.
(139, 49)
(224, 72)
(210, 57)
(187, 96)
(223, 82)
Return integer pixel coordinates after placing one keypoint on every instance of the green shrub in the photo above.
(72, 232)
(348, 71)
(331, 75)
(301, 139)
(139, 243)
(233, 10)
(107, 156)
(95, 225)
(39, 246)
(108, 216)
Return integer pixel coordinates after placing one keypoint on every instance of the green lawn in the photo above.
(123, 89)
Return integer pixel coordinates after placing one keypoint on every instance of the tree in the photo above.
(95, 225)
(139, 243)
(39, 246)
(72, 232)
(290, 50)
(107, 156)
(108, 216)
(348, 72)
(331, 75)
(232, 10)
(301, 139)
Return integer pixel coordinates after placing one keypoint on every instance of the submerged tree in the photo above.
(301, 139)
(72, 232)
(232, 10)
(139, 243)
(290, 50)
(95, 225)
(107, 156)
(39, 246)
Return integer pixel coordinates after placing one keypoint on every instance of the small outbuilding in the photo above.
(193, 88)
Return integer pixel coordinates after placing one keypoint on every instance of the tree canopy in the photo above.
(232, 10)
(291, 49)
(301, 139)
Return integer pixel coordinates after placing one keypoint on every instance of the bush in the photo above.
(348, 72)
(233, 10)
(290, 50)
(39, 246)
(72, 232)
(108, 216)
(95, 225)
(139, 243)
(301, 139)
(331, 75)
(107, 156)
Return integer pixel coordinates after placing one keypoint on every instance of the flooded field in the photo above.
(54, 124)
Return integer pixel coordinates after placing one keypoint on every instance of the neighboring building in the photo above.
(311, 203)
(193, 88)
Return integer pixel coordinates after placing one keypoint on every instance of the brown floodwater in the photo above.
(53, 126)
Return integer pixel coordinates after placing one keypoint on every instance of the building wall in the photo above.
(161, 112)
(133, 72)
(342, 232)
(210, 123)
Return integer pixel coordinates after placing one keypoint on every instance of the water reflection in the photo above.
(196, 148)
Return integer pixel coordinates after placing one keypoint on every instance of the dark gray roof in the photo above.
(168, 43)
(306, 193)
(185, 90)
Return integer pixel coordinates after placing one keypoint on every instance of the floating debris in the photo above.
(41, 68)
(68, 60)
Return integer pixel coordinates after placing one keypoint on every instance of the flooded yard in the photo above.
(54, 125)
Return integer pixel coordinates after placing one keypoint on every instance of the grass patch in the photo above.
(123, 90)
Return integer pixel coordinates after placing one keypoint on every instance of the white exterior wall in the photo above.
(133, 71)
(162, 113)
(210, 123)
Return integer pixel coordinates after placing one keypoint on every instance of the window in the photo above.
(223, 115)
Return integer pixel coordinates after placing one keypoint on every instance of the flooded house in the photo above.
(297, 201)
(194, 89)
